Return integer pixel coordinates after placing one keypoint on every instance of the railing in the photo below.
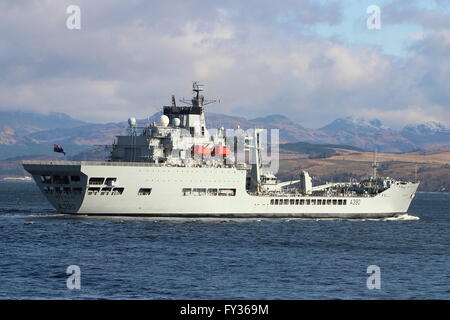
(120, 164)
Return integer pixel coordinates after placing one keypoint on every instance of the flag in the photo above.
(58, 148)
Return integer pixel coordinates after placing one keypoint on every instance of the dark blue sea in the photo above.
(150, 258)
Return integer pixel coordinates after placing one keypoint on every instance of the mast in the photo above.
(415, 174)
(256, 171)
(198, 100)
(374, 165)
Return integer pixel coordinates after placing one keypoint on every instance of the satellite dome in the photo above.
(132, 122)
(164, 120)
(176, 122)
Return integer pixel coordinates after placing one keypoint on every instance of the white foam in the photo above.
(402, 217)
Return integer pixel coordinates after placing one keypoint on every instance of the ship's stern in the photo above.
(61, 182)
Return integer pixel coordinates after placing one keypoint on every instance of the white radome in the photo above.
(132, 122)
(176, 122)
(164, 120)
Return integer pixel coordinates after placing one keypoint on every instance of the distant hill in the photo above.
(23, 133)
(433, 167)
(315, 151)
(13, 144)
(88, 134)
(368, 135)
(427, 135)
(28, 122)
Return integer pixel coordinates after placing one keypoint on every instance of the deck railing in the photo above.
(119, 164)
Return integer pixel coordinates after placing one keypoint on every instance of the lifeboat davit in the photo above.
(221, 151)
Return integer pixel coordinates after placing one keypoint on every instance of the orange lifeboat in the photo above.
(200, 150)
(221, 151)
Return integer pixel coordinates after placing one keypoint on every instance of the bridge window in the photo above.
(212, 192)
(77, 190)
(319, 202)
(96, 181)
(345, 202)
(93, 191)
(308, 202)
(340, 202)
(292, 201)
(110, 181)
(105, 191)
(58, 190)
(46, 179)
(145, 191)
(302, 201)
(117, 191)
(272, 201)
(227, 192)
(313, 202)
(296, 201)
(61, 179)
(198, 191)
(328, 201)
(334, 201)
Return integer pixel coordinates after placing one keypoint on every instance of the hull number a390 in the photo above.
(355, 202)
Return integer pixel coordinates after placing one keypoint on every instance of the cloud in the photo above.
(412, 12)
(257, 57)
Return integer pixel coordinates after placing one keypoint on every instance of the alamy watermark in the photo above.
(374, 280)
(240, 147)
(74, 280)
(373, 22)
(73, 21)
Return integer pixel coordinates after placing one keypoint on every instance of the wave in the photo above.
(402, 217)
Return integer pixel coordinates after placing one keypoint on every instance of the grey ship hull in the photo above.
(164, 193)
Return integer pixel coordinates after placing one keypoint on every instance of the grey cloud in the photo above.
(400, 11)
(129, 57)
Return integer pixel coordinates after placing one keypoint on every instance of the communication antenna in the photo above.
(415, 174)
(174, 103)
(198, 100)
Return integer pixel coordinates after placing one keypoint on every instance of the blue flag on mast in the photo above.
(58, 148)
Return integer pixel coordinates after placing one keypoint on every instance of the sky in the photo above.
(312, 61)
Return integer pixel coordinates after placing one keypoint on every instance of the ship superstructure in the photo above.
(177, 167)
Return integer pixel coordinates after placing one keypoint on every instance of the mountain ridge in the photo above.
(40, 131)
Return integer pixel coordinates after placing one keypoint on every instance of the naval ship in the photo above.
(178, 168)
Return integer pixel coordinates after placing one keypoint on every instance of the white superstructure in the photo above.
(176, 167)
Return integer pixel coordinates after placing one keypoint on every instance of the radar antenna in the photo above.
(197, 100)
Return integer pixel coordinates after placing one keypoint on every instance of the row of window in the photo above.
(57, 179)
(105, 191)
(63, 190)
(116, 191)
(208, 192)
(94, 191)
(308, 202)
(101, 181)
